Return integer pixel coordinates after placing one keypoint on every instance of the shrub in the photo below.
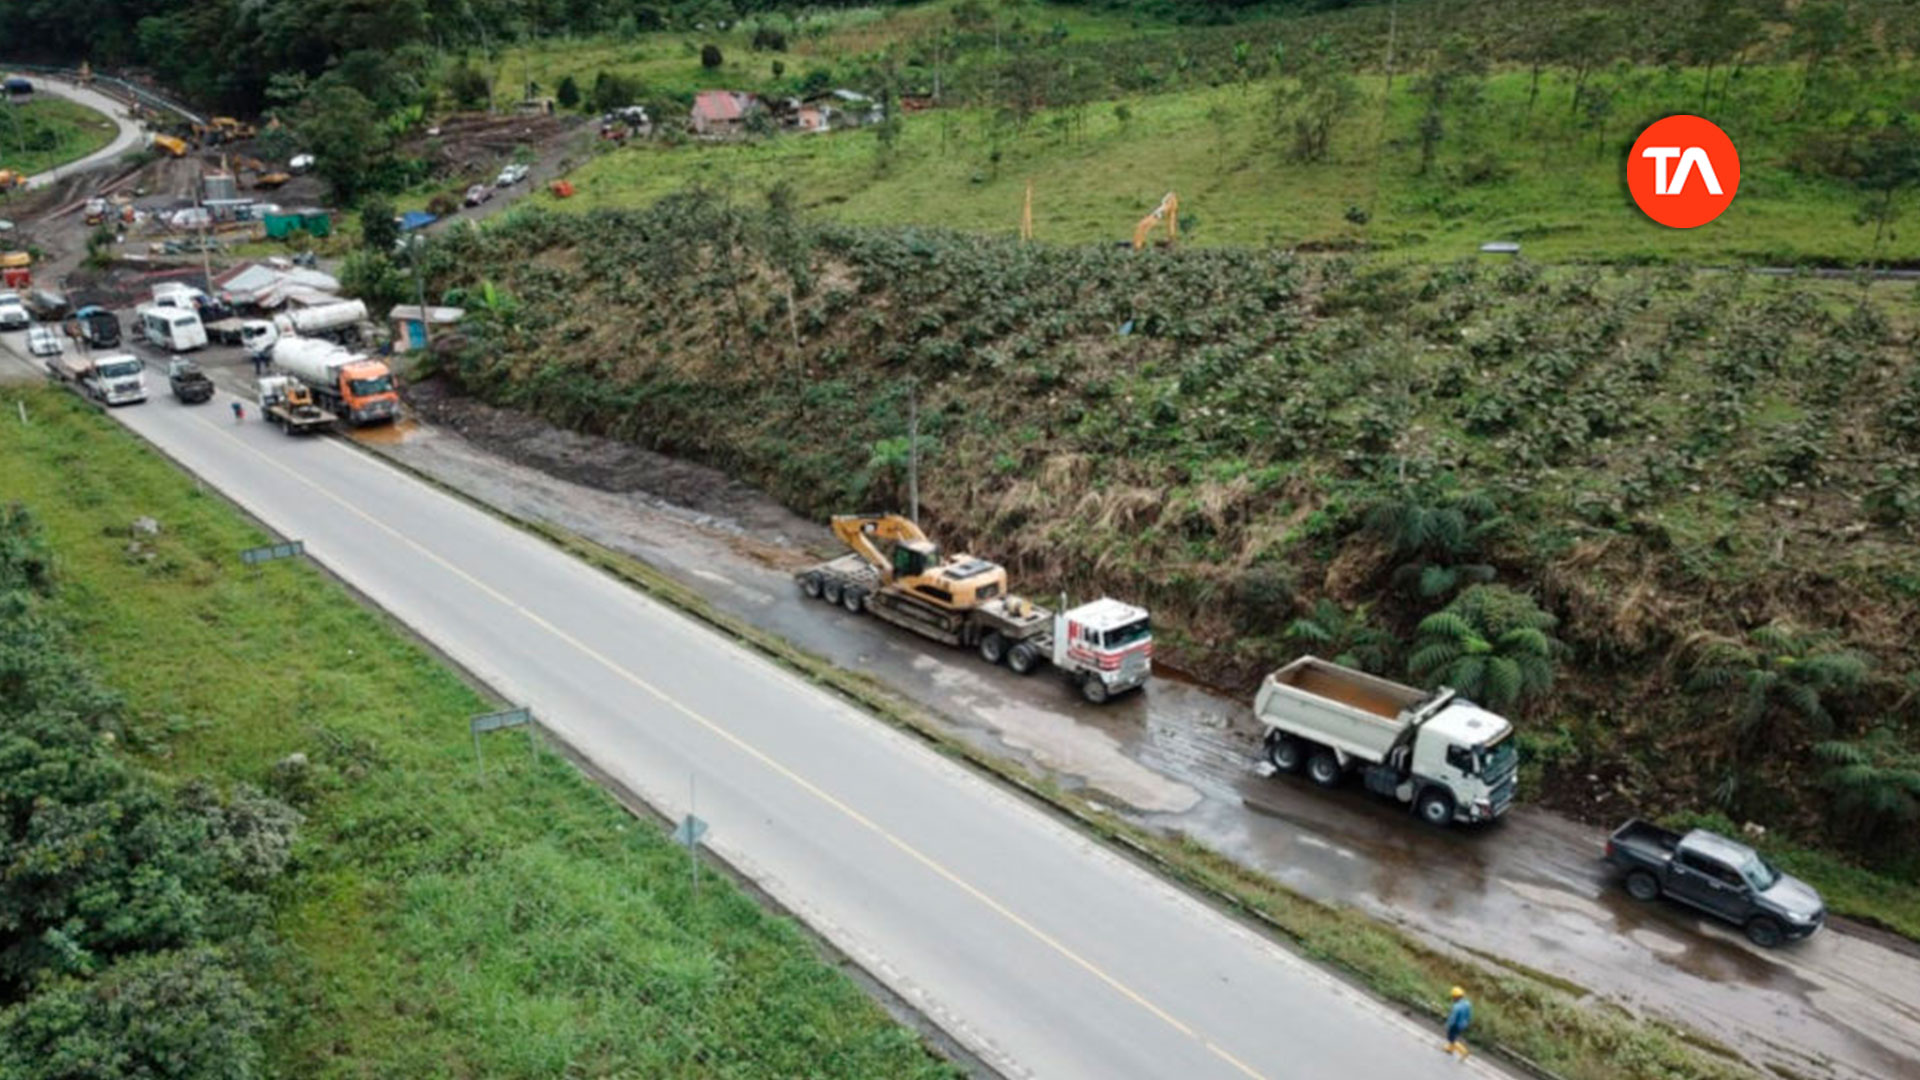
(1492, 644)
(710, 57)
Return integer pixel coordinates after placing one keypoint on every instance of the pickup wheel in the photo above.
(853, 600)
(1286, 753)
(1324, 768)
(1643, 886)
(1094, 690)
(1435, 807)
(812, 585)
(834, 592)
(1023, 659)
(1765, 932)
(993, 647)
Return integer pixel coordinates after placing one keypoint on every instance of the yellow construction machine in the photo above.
(1168, 211)
(898, 575)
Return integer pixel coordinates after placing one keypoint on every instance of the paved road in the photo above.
(130, 137)
(1039, 949)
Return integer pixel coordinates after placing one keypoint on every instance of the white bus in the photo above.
(173, 329)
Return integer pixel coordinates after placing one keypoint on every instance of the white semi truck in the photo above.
(339, 320)
(1445, 756)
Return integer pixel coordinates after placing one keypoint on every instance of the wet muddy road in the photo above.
(1529, 892)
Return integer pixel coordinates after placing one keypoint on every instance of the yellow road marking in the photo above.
(804, 784)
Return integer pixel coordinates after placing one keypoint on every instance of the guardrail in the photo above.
(131, 90)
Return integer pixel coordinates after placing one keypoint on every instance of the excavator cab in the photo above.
(914, 558)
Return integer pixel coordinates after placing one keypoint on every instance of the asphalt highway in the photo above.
(1043, 952)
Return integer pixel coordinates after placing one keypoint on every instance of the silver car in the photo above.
(43, 341)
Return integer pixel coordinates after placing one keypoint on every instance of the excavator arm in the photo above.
(859, 531)
(1168, 211)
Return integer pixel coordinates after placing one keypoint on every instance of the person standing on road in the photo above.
(1458, 1018)
(239, 412)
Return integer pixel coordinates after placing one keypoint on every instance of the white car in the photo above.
(511, 175)
(43, 341)
(14, 317)
(300, 163)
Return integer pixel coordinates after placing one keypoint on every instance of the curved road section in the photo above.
(130, 136)
(1037, 948)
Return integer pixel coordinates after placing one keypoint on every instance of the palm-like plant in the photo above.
(1780, 681)
(1345, 635)
(1875, 783)
(1438, 541)
(1492, 644)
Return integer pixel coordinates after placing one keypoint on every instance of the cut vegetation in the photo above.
(421, 923)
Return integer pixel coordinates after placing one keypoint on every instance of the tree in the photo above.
(568, 95)
(468, 87)
(1886, 163)
(1584, 44)
(1437, 539)
(379, 233)
(1492, 644)
(1452, 80)
(340, 127)
(1718, 32)
(1874, 783)
(1778, 683)
(1820, 29)
(613, 91)
(710, 57)
(1322, 95)
(1346, 636)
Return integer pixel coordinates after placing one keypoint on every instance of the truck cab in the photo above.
(1467, 750)
(1109, 642)
(367, 392)
(117, 380)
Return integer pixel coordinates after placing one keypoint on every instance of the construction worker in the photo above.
(1458, 1017)
(239, 412)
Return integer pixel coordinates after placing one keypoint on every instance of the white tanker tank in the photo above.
(349, 384)
(323, 319)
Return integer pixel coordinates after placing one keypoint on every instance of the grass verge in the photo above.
(433, 924)
(50, 131)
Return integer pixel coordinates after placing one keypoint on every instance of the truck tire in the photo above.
(1286, 752)
(853, 600)
(1435, 807)
(812, 585)
(993, 647)
(834, 591)
(1023, 659)
(1643, 886)
(1094, 690)
(1765, 931)
(1323, 766)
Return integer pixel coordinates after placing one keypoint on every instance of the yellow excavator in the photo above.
(1168, 211)
(915, 565)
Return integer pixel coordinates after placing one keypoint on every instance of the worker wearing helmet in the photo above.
(1458, 1017)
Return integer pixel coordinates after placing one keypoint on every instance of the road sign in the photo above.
(255, 556)
(509, 718)
(689, 832)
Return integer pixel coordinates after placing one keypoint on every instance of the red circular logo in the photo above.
(1683, 171)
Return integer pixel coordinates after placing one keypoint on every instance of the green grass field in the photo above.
(433, 925)
(50, 131)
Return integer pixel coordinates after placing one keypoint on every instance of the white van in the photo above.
(173, 329)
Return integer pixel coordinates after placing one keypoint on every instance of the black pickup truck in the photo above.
(189, 383)
(1725, 879)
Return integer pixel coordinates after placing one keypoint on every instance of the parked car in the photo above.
(511, 175)
(13, 316)
(43, 341)
(300, 163)
(478, 194)
(1722, 877)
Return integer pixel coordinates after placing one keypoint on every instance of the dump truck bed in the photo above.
(1351, 711)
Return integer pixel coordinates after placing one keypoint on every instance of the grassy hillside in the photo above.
(1665, 460)
(430, 925)
(48, 131)
(1104, 113)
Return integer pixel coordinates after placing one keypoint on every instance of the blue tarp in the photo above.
(416, 219)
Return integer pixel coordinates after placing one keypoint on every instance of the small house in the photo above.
(721, 113)
(410, 329)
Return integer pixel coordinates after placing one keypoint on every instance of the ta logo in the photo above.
(1683, 171)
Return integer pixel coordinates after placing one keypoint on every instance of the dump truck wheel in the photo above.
(1435, 807)
(1286, 753)
(1325, 768)
(1094, 690)
(1023, 659)
(811, 585)
(1643, 886)
(834, 592)
(853, 600)
(993, 647)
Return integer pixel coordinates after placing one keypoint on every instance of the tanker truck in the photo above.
(339, 320)
(345, 383)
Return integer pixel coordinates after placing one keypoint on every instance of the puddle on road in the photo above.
(387, 434)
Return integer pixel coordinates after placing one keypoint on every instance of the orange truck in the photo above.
(348, 384)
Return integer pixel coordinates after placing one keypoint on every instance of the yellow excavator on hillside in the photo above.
(915, 565)
(1168, 211)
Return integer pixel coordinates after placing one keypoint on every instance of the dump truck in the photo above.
(190, 385)
(354, 387)
(1105, 647)
(171, 145)
(1444, 756)
(116, 379)
(1721, 877)
(287, 401)
(338, 320)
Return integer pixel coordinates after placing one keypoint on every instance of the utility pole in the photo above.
(913, 452)
(420, 295)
